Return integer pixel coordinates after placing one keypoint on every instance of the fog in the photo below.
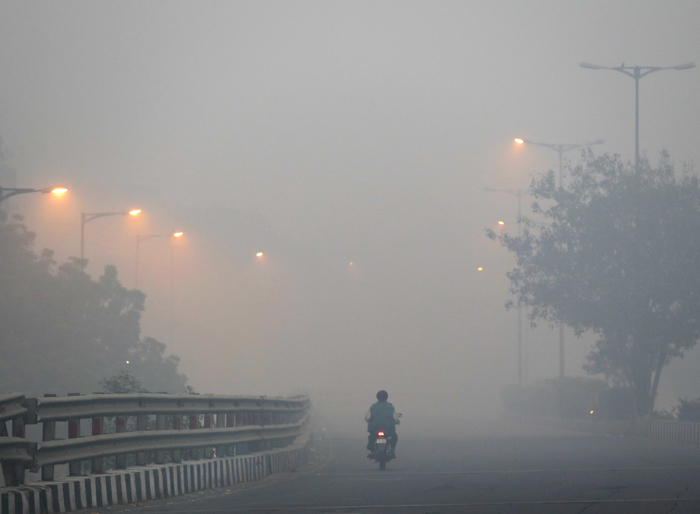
(351, 143)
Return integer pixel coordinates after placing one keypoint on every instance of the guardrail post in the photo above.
(160, 425)
(208, 451)
(177, 425)
(18, 431)
(98, 462)
(194, 422)
(220, 423)
(73, 433)
(230, 422)
(48, 433)
(120, 423)
(141, 426)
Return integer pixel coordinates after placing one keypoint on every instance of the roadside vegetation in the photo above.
(62, 331)
(614, 251)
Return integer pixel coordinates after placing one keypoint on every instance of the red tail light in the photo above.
(381, 434)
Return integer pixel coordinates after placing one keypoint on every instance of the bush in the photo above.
(688, 410)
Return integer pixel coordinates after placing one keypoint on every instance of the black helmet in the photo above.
(382, 395)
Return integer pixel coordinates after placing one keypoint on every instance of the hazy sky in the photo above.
(324, 133)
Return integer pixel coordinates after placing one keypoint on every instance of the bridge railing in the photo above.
(16, 452)
(156, 428)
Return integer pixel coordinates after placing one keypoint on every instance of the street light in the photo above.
(140, 238)
(518, 193)
(637, 72)
(561, 149)
(8, 192)
(87, 217)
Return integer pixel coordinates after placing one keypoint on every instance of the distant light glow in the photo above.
(134, 212)
(178, 234)
(501, 222)
(591, 412)
(351, 264)
(479, 269)
(127, 362)
(519, 141)
(259, 254)
(59, 190)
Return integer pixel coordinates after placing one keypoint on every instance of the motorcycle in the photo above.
(382, 444)
(382, 447)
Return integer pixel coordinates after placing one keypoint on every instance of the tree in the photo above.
(122, 383)
(618, 256)
(62, 331)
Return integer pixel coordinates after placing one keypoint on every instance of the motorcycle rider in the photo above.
(382, 416)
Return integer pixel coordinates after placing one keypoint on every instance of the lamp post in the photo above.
(140, 238)
(87, 217)
(518, 193)
(561, 149)
(637, 72)
(9, 192)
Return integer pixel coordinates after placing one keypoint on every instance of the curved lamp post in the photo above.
(637, 72)
(561, 149)
(140, 238)
(9, 192)
(87, 217)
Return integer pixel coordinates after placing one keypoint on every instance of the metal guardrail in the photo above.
(90, 447)
(186, 426)
(11, 406)
(95, 405)
(15, 450)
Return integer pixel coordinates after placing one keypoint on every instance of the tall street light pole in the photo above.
(87, 217)
(518, 193)
(637, 72)
(9, 192)
(561, 149)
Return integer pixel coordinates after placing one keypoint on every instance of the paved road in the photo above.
(518, 472)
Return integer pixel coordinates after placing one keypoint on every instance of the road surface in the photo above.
(521, 471)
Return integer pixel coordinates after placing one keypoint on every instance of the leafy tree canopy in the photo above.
(618, 256)
(61, 331)
(122, 383)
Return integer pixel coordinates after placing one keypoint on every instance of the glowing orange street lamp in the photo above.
(87, 217)
(8, 192)
(519, 141)
(480, 269)
(259, 254)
